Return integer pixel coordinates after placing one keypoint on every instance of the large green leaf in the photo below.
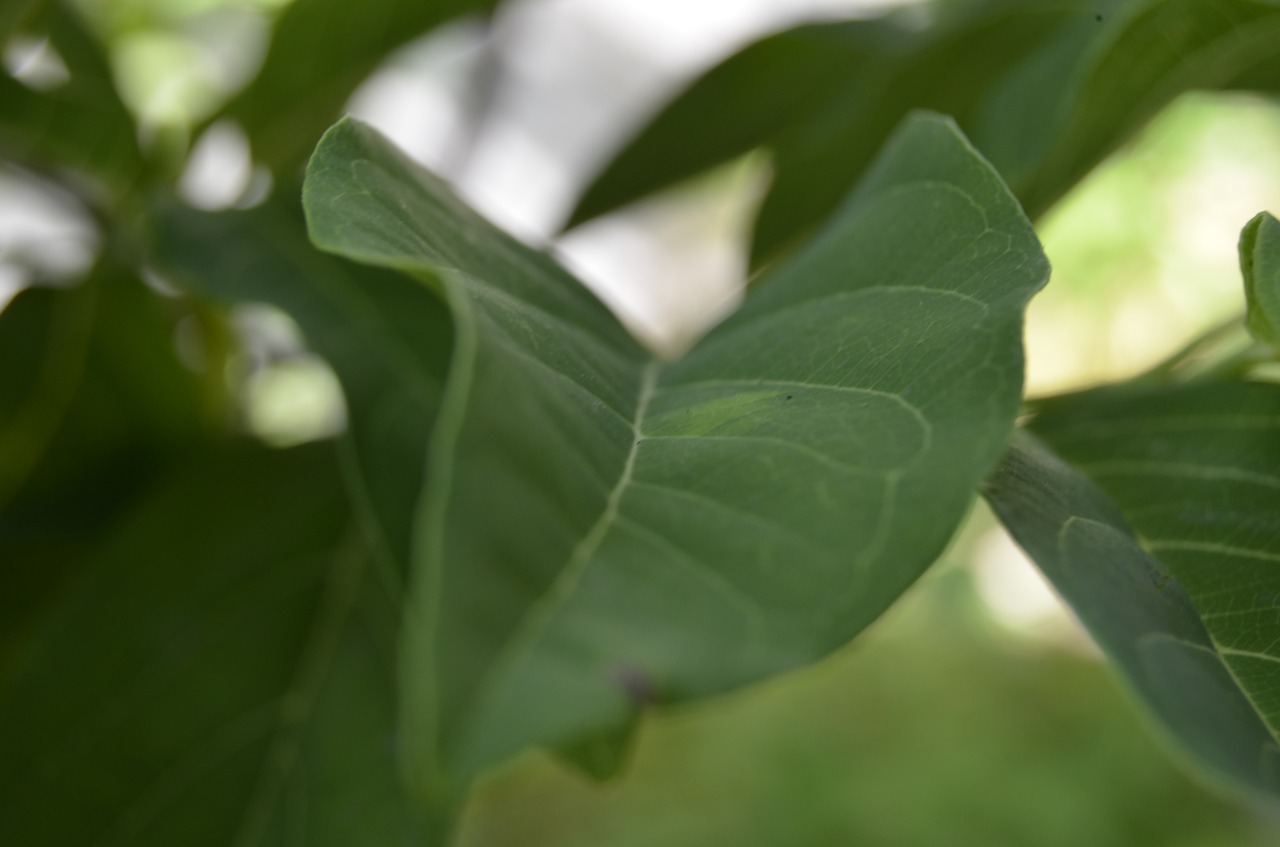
(1046, 91)
(81, 127)
(603, 529)
(320, 51)
(1139, 612)
(1196, 471)
(222, 675)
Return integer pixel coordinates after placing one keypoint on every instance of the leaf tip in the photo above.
(1260, 269)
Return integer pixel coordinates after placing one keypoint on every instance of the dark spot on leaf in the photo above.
(788, 396)
(1098, 18)
(635, 683)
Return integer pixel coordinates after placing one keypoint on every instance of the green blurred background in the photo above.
(975, 712)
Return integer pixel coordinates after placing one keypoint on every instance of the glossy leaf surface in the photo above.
(1137, 610)
(603, 529)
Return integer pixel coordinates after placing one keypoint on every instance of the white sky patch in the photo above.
(219, 170)
(43, 229)
(1018, 596)
(13, 279)
(575, 79)
(35, 63)
(418, 97)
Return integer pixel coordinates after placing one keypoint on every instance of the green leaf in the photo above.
(93, 403)
(1260, 264)
(1047, 92)
(81, 127)
(1196, 471)
(222, 674)
(320, 51)
(602, 529)
(387, 338)
(739, 105)
(1138, 612)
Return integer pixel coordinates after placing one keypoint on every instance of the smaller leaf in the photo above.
(1196, 470)
(1140, 615)
(1260, 264)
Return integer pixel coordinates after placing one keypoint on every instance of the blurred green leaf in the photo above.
(222, 674)
(743, 103)
(604, 529)
(1260, 265)
(320, 51)
(1044, 91)
(80, 128)
(1135, 607)
(93, 403)
(387, 338)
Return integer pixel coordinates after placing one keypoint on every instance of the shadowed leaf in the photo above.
(222, 675)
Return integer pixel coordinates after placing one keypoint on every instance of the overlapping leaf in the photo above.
(1044, 90)
(1135, 607)
(1196, 471)
(603, 529)
(222, 675)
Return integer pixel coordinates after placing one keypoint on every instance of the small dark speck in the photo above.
(635, 683)
(788, 396)
(1098, 18)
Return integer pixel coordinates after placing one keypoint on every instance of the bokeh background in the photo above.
(976, 712)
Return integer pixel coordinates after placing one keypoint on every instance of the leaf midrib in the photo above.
(545, 607)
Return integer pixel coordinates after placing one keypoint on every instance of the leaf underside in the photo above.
(1162, 538)
(1196, 471)
(602, 529)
